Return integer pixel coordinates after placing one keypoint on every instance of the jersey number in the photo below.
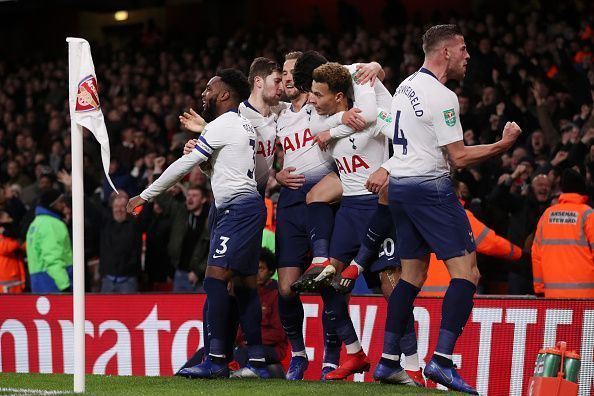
(250, 172)
(400, 141)
(388, 247)
(223, 246)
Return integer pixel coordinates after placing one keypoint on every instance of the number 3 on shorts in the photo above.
(223, 247)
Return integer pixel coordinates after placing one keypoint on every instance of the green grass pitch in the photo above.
(62, 384)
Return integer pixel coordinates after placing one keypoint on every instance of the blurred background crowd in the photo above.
(529, 64)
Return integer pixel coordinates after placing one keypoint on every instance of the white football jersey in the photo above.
(359, 155)
(296, 138)
(426, 118)
(266, 136)
(229, 143)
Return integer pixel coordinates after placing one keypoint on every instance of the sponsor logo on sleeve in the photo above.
(385, 116)
(450, 117)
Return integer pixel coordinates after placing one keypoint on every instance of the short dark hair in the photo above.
(261, 67)
(335, 75)
(437, 34)
(304, 67)
(573, 182)
(237, 83)
(293, 55)
(268, 258)
(200, 188)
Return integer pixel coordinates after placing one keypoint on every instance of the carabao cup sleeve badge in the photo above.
(449, 117)
(87, 97)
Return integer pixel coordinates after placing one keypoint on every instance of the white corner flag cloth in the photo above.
(83, 94)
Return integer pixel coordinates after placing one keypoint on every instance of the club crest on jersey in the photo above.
(87, 97)
(449, 117)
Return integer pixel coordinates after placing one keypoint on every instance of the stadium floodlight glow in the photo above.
(121, 15)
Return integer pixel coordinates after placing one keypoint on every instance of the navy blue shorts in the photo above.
(292, 240)
(429, 218)
(236, 239)
(350, 226)
(388, 256)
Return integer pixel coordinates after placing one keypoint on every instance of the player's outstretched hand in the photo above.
(192, 121)
(322, 139)
(377, 180)
(287, 178)
(190, 144)
(134, 205)
(354, 120)
(511, 131)
(368, 72)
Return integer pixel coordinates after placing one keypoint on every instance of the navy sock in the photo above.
(455, 311)
(332, 343)
(335, 306)
(232, 325)
(400, 309)
(218, 311)
(250, 317)
(379, 227)
(408, 342)
(290, 310)
(320, 220)
(205, 336)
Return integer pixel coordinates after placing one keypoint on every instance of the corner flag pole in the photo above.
(85, 111)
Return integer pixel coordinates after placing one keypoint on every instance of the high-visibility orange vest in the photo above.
(562, 258)
(487, 242)
(12, 266)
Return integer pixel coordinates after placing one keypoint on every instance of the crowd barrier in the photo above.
(154, 334)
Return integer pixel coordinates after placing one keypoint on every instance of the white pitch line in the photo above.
(25, 391)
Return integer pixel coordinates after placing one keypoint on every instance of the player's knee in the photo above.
(474, 275)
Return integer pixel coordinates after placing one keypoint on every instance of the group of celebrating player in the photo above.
(392, 212)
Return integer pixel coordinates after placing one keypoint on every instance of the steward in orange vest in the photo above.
(562, 258)
(12, 252)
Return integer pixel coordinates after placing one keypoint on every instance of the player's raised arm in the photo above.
(462, 156)
(170, 176)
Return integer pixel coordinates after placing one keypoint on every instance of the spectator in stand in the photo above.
(12, 253)
(523, 209)
(190, 237)
(562, 258)
(49, 250)
(157, 263)
(120, 249)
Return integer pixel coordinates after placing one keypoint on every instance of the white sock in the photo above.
(411, 362)
(319, 260)
(359, 268)
(299, 353)
(353, 348)
(329, 365)
(396, 358)
(444, 355)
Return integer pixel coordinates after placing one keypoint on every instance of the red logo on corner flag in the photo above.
(87, 98)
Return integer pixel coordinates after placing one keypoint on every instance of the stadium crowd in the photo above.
(528, 67)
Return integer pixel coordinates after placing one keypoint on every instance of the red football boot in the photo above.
(355, 363)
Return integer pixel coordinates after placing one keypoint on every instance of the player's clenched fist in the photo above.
(511, 131)
(134, 205)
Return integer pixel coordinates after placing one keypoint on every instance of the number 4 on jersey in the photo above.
(397, 140)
